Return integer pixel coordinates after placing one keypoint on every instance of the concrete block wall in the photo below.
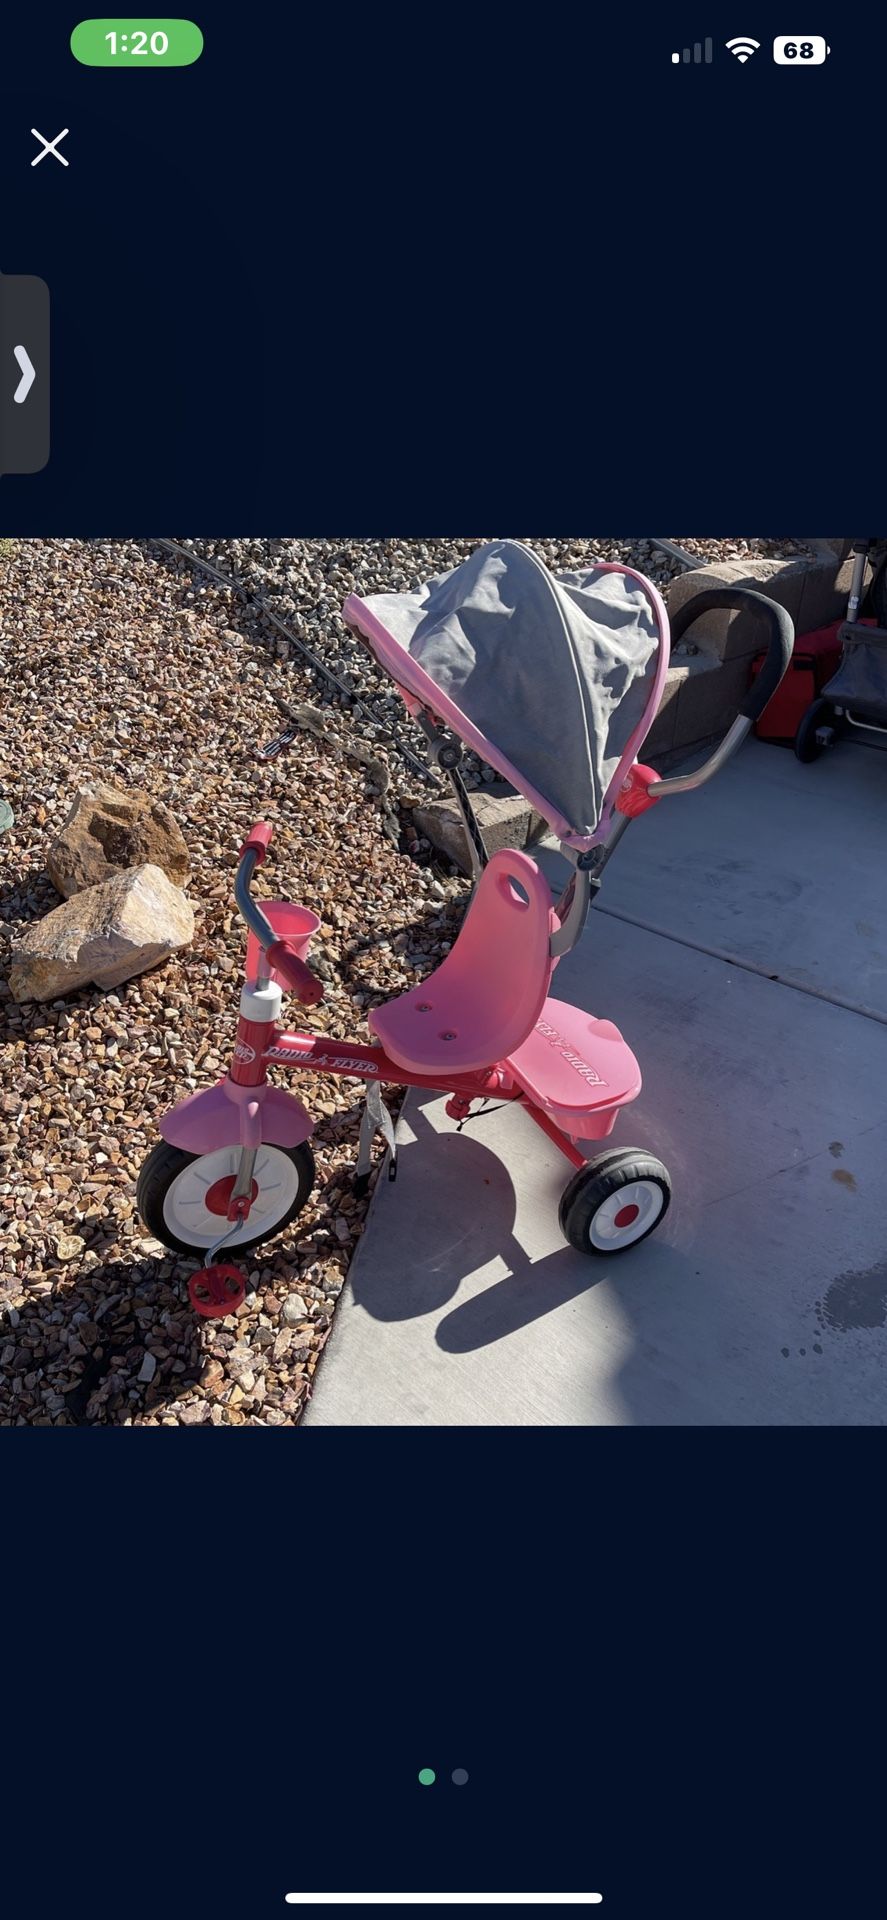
(703, 689)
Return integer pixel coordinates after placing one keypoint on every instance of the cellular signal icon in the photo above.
(695, 56)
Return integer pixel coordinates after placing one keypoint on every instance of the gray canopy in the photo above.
(547, 675)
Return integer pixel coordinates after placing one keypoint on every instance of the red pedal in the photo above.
(216, 1291)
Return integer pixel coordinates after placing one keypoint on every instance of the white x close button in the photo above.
(50, 146)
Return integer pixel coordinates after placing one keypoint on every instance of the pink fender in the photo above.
(227, 1115)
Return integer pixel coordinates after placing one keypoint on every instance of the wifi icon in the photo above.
(742, 47)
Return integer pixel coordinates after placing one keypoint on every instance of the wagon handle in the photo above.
(781, 640)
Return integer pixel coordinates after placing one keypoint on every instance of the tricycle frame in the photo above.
(614, 1200)
(255, 1050)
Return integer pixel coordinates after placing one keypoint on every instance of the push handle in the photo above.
(780, 641)
(258, 841)
(282, 956)
(780, 637)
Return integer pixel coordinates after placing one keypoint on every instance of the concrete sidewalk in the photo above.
(763, 1298)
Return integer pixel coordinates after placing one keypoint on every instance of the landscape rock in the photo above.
(505, 820)
(68, 1246)
(109, 831)
(194, 1414)
(105, 935)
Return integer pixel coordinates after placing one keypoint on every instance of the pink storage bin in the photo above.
(296, 924)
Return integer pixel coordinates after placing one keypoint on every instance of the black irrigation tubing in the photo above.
(258, 600)
(683, 557)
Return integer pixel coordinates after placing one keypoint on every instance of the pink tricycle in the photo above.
(554, 681)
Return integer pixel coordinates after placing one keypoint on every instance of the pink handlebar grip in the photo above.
(299, 978)
(258, 841)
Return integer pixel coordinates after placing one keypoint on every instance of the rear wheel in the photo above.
(614, 1202)
(183, 1198)
(817, 729)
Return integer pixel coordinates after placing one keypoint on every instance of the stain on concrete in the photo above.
(865, 926)
(855, 1300)
(836, 1148)
(845, 1178)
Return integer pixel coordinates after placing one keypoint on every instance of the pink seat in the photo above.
(488, 993)
(572, 1065)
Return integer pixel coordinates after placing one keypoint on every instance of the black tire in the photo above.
(878, 593)
(163, 1166)
(604, 1176)
(807, 747)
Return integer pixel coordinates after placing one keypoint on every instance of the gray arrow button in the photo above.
(24, 373)
(28, 375)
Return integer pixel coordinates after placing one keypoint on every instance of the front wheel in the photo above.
(614, 1202)
(183, 1198)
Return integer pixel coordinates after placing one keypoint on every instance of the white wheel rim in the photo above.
(188, 1217)
(606, 1234)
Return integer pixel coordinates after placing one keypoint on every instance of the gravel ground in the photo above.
(123, 663)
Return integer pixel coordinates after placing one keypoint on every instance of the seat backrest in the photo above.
(501, 964)
(486, 996)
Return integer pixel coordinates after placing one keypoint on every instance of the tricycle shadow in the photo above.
(465, 1222)
(114, 1315)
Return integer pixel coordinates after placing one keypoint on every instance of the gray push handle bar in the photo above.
(780, 641)
(573, 906)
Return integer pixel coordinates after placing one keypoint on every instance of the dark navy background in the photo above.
(415, 273)
(373, 271)
(658, 1655)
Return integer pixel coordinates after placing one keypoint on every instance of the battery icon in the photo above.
(800, 50)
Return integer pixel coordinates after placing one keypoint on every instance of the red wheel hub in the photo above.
(218, 1198)
(626, 1216)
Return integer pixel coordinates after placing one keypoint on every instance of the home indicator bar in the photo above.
(444, 1899)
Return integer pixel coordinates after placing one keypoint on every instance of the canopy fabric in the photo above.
(552, 677)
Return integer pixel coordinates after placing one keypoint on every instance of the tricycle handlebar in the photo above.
(258, 840)
(255, 919)
(299, 978)
(280, 955)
